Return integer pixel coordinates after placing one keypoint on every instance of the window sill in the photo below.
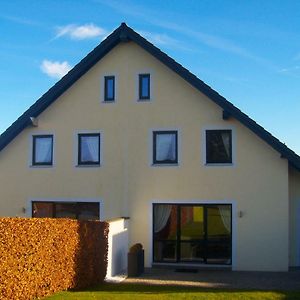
(144, 100)
(88, 166)
(165, 165)
(41, 166)
(219, 164)
(108, 101)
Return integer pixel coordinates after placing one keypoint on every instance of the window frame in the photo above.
(140, 85)
(33, 154)
(205, 145)
(89, 163)
(156, 162)
(106, 99)
(230, 149)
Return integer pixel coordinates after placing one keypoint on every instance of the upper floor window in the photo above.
(165, 147)
(144, 86)
(42, 150)
(89, 149)
(109, 88)
(218, 146)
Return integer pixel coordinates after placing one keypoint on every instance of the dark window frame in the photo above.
(54, 203)
(178, 240)
(88, 163)
(106, 79)
(34, 138)
(209, 162)
(141, 77)
(168, 161)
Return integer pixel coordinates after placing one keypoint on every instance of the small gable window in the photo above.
(165, 147)
(144, 86)
(109, 88)
(218, 146)
(89, 149)
(42, 154)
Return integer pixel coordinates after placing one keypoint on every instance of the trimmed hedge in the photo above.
(41, 256)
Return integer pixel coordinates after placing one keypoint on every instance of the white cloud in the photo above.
(293, 71)
(19, 20)
(55, 69)
(155, 18)
(157, 38)
(289, 69)
(162, 39)
(82, 32)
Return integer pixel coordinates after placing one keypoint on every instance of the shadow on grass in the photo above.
(129, 288)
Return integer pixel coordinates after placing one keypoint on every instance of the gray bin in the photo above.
(136, 263)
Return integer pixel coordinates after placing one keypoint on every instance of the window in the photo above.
(89, 149)
(165, 147)
(192, 233)
(42, 150)
(144, 86)
(218, 146)
(109, 88)
(71, 210)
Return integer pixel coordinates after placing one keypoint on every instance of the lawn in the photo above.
(112, 291)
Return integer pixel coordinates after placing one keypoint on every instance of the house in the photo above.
(130, 133)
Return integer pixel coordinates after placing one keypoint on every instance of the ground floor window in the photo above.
(71, 210)
(192, 233)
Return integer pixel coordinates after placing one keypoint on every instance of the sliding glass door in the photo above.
(165, 233)
(192, 233)
(218, 234)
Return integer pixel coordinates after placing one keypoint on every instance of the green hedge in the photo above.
(41, 256)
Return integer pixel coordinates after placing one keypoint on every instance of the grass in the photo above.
(110, 291)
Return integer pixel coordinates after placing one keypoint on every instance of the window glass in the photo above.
(165, 147)
(71, 210)
(144, 86)
(109, 89)
(89, 149)
(65, 210)
(42, 209)
(218, 146)
(42, 150)
(165, 232)
(88, 211)
(219, 234)
(165, 251)
(165, 220)
(191, 226)
(192, 252)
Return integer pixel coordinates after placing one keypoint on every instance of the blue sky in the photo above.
(248, 51)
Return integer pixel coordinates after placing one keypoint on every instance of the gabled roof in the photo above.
(123, 34)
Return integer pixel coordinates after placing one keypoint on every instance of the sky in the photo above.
(248, 51)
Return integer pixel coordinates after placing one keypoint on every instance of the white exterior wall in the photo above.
(126, 182)
(117, 247)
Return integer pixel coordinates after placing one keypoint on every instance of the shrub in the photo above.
(41, 256)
